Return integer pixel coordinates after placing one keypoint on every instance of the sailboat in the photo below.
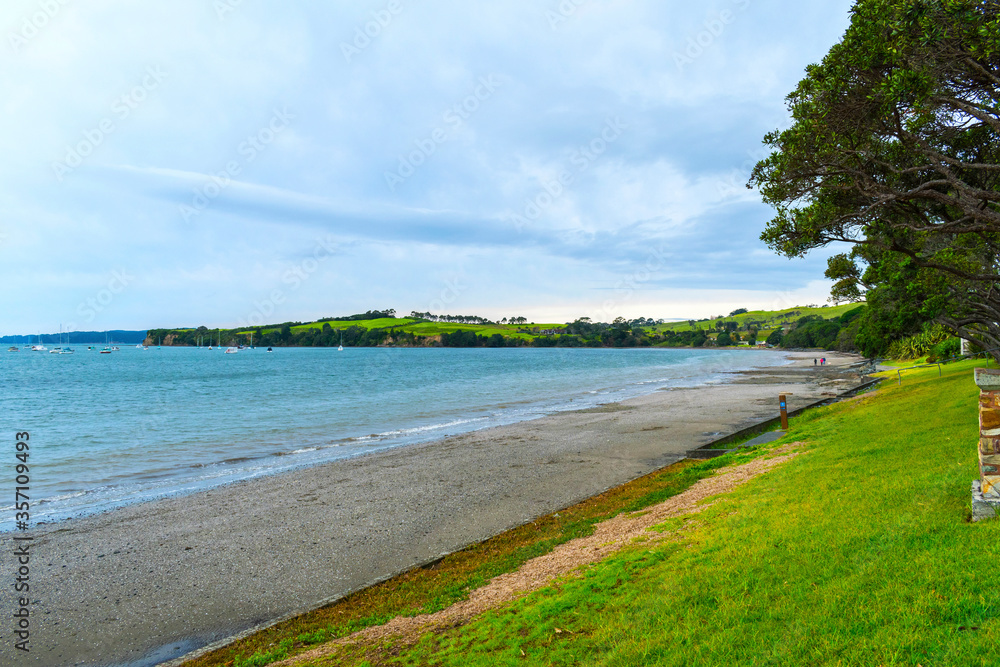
(341, 348)
(60, 349)
(65, 350)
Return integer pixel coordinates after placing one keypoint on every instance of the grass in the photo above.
(428, 589)
(771, 318)
(860, 552)
(903, 363)
(745, 438)
(432, 328)
(380, 323)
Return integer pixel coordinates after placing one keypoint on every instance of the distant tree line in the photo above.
(389, 313)
(456, 319)
(848, 332)
(581, 333)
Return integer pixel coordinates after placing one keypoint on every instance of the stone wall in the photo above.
(986, 490)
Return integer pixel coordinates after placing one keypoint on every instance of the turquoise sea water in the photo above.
(110, 429)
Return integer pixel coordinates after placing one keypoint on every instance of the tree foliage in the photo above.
(895, 150)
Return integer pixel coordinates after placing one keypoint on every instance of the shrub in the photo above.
(919, 344)
(946, 349)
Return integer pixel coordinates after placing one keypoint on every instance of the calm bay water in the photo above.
(136, 425)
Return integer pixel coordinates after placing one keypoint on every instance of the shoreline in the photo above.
(359, 443)
(150, 582)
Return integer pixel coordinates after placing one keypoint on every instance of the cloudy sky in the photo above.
(223, 162)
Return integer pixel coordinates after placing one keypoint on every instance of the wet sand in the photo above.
(150, 582)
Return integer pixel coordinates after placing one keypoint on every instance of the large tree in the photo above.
(895, 149)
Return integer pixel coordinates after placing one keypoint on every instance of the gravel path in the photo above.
(608, 537)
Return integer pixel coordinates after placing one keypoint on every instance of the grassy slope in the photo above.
(432, 588)
(436, 328)
(430, 328)
(770, 317)
(380, 323)
(858, 553)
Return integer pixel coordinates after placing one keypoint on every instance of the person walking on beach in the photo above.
(814, 361)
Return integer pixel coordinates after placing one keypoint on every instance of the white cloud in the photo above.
(671, 182)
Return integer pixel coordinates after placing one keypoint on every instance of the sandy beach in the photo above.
(150, 582)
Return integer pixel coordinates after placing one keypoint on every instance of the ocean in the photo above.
(135, 425)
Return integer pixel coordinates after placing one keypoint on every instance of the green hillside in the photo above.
(426, 328)
(767, 320)
(379, 328)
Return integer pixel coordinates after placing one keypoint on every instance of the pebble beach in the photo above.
(148, 583)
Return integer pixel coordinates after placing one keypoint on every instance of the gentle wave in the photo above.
(167, 424)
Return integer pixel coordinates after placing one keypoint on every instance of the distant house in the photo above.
(553, 332)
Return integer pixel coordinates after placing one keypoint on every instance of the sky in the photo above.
(238, 162)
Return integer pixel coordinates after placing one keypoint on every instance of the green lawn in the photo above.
(857, 553)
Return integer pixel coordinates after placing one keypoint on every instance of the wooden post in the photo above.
(783, 405)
